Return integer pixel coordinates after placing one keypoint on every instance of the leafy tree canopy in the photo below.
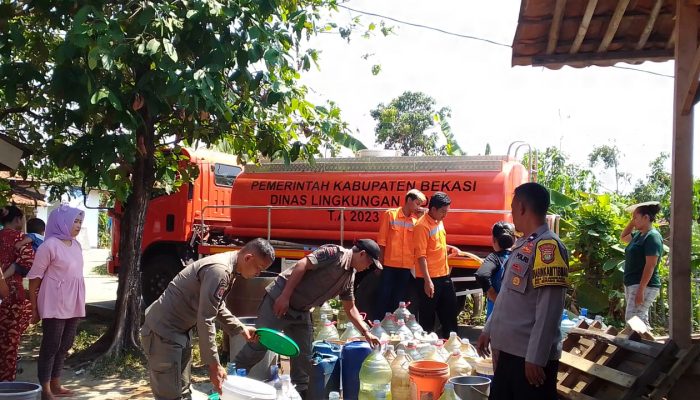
(556, 172)
(610, 157)
(408, 124)
(99, 87)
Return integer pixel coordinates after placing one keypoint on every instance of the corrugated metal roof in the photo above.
(580, 33)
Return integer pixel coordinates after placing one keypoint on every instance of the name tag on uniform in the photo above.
(549, 267)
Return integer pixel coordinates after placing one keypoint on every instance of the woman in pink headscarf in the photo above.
(57, 293)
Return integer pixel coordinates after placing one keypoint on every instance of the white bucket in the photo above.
(484, 367)
(241, 388)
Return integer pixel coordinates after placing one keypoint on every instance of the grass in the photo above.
(127, 366)
(31, 339)
(100, 270)
(88, 333)
(197, 354)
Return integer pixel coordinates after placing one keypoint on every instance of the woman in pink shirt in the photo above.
(57, 293)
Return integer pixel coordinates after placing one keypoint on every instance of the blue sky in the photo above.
(491, 101)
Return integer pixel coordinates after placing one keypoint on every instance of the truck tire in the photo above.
(157, 272)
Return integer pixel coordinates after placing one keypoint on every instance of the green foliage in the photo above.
(590, 229)
(104, 232)
(130, 365)
(5, 192)
(656, 186)
(405, 123)
(109, 92)
(82, 79)
(555, 172)
(596, 265)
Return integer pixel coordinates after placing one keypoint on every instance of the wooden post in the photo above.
(686, 44)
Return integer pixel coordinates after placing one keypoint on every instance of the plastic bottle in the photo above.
(402, 312)
(449, 393)
(288, 389)
(433, 354)
(375, 376)
(413, 325)
(389, 323)
(403, 332)
(389, 353)
(440, 347)
(426, 349)
(242, 372)
(468, 350)
(343, 321)
(231, 368)
(378, 331)
(350, 332)
(319, 312)
(458, 365)
(412, 352)
(274, 374)
(426, 337)
(400, 381)
(453, 343)
(279, 391)
(583, 316)
(328, 331)
(566, 325)
(599, 318)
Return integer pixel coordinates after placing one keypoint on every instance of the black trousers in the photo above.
(510, 383)
(443, 304)
(58, 337)
(393, 288)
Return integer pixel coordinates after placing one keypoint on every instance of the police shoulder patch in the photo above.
(221, 289)
(549, 267)
(326, 253)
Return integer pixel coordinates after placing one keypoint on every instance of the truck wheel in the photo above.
(157, 272)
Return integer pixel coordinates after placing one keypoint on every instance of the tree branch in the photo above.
(13, 110)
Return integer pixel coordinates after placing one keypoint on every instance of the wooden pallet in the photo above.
(601, 364)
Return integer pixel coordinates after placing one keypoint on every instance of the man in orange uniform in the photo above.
(434, 288)
(395, 241)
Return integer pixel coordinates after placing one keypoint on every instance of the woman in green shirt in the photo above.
(642, 255)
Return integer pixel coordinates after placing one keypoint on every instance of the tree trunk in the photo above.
(123, 335)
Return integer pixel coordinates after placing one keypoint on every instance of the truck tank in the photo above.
(301, 202)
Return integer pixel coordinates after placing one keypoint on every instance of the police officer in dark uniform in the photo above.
(523, 330)
(327, 272)
(195, 297)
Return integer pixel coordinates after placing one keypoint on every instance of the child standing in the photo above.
(490, 274)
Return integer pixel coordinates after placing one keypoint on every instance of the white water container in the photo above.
(241, 388)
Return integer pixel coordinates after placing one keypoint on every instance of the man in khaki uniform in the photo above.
(327, 272)
(523, 330)
(195, 297)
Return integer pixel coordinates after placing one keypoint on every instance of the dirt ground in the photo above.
(126, 380)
